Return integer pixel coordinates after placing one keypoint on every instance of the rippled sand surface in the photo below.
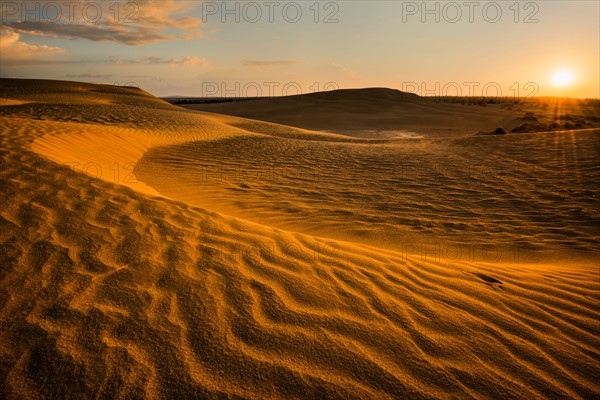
(132, 269)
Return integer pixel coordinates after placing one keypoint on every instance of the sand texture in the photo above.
(149, 251)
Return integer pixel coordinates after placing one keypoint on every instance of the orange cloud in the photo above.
(15, 51)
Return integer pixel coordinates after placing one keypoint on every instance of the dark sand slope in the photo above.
(108, 290)
(359, 112)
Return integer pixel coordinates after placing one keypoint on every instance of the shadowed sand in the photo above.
(354, 111)
(126, 275)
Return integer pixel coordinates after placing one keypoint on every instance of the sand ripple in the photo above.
(106, 292)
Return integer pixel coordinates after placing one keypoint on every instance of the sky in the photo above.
(251, 48)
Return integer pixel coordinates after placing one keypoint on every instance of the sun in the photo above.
(562, 78)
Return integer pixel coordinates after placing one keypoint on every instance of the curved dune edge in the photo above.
(109, 292)
(111, 153)
(107, 153)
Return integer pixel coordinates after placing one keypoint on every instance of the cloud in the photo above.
(99, 33)
(150, 60)
(146, 77)
(132, 23)
(88, 76)
(254, 63)
(192, 61)
(15, 52)
(342, 69)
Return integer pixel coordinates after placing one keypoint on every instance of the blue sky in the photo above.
(185, 47)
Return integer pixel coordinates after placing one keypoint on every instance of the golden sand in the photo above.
(147, 252)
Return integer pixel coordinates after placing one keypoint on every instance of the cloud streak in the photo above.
(275, 63)
(342, 69)
(88, 76)
(151, 60)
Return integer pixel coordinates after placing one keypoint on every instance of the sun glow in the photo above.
(562, 78)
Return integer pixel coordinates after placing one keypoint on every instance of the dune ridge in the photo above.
(108, 290)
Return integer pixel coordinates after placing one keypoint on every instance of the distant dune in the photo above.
(351, 111)
(149, 251)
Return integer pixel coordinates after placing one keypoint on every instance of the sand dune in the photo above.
(354, 111)
(419, 197)
(122, 286)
